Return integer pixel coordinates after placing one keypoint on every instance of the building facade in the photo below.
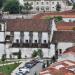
(26, 35)
(46, 5)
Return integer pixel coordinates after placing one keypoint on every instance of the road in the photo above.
(36, 69)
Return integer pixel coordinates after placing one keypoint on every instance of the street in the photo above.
(37, 68)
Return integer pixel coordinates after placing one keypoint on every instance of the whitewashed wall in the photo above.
(28, 51)
(2, 26)
(64, 45)
(1, 50)
(68, 19)
(50, 4)
(67, 57)
(26, 36)
(16, 36)
(45, 37)
(2, 39)
(35, 36)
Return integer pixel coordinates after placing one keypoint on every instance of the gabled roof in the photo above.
(28, 25)
(65, 26)
(63, 36)
(71, 49)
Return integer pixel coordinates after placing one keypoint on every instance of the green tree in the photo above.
(27, 8)
(73, 6)
(58, 19)
(12, 6)
(40, 53)
(58, 7)
(47, 63)
(43, 66)
(34, 54)
(35, 73)
(1, 3)
(3, 57)
(19, 54)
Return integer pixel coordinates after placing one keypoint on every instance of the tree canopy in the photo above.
(27, 7)
(12, 6)
(1, 3)
(73, 6)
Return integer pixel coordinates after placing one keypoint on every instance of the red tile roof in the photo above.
(60, 68)
(71, 49)
(65, 26)
(65, 14)
(63, 36)
(27, 25)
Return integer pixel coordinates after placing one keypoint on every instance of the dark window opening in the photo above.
(26, 41)
(17, 40)
(44, 41)
(35, 41)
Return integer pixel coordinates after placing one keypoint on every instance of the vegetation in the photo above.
(58, 19)
(58, 7)
(34, 54)
(40, 53)
(27, 7)
(3, 58)
(73, 6)
(48, 17)
(35, 73)
(2, 3)
(19, 54)
(48, 63)
(7, 69)
(12, 6)
(37, 53)
(43, 66)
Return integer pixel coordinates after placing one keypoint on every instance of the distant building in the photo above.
(46, 5)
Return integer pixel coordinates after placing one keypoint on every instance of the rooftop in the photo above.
(63, 36)
(65, 67)
(65, 26)
(64, 14)
(27, 25)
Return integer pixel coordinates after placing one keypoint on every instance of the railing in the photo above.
(33, 45)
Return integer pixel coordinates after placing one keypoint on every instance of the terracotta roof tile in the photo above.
(27, 25)
(62, 70)
(65, 26)
(63, 36)
(65, 14)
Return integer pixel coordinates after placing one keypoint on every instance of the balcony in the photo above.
(28, 45)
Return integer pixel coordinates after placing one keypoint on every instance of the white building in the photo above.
(26, 35)
(46, 5)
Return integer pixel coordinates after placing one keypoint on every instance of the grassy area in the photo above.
(7, 69)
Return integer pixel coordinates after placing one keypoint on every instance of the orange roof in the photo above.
(60, 68)
(65, 26)
(65, 14)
